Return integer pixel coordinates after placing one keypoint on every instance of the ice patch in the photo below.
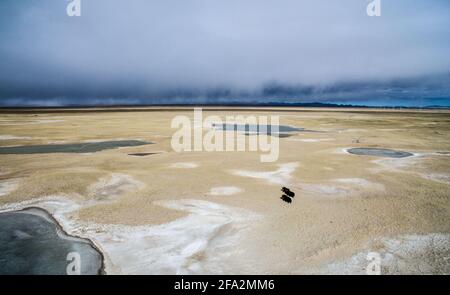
(280, 176)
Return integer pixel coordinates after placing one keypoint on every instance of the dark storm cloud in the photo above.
(171, 51)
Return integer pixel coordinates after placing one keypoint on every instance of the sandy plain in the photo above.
(220, 212)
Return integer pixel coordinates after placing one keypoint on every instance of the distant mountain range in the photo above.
(238, 104)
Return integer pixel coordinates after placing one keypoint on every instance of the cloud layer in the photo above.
(149, 51)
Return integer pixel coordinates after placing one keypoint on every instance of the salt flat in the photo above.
(228, 202)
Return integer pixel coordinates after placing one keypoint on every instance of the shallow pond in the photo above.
(379, 152)
(90, 147)
(249, 129)
(141, 154)
(31, 242)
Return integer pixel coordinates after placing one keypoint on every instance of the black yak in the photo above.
(286, 199)
(288, 192)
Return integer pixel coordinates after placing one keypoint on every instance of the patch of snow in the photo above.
(7, 187)
(357, 181)
(279, 176)
(184, 165)
(113, 186)
(224, 190)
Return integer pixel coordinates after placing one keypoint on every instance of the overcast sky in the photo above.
(182, 51)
